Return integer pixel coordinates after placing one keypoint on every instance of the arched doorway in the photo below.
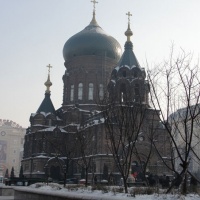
(55, 168)
(55, 172)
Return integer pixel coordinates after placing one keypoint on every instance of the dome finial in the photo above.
(48, 83)
(129, 33)
(93, 22)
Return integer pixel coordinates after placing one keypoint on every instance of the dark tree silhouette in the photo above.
(21, 173)
(7, 174)
(12, 174)
(84, 157)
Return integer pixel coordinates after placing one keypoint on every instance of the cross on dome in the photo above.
(129, 33)
(93, 22)
(94, 2)
(48, 83)
(129, 15)
(49, 66)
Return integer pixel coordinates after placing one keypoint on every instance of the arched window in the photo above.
(65, 94)
(80, 91)
(137, 89)
(91, 91)
(49, 122)
(101, 91)
(123, 94)
(72, 93)
(137, 93)
(135, 74)
(124, 73)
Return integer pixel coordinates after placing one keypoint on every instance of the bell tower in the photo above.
(127, 82)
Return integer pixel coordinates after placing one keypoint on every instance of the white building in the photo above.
(11, 146)
(185, 124)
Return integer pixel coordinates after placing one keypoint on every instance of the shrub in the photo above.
(144, 190)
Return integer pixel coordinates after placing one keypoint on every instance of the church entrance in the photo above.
(55, 172)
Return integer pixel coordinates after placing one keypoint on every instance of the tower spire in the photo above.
(128, 32)
(94, 22)
(48, 83)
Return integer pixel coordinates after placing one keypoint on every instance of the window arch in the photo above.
(72, 93)
(80, 91)
(91, 91)
(101, 91)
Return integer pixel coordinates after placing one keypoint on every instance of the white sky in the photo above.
(33, 33)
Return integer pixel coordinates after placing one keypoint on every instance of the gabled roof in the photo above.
(46, 106)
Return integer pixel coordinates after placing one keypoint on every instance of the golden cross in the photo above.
(129, 15)
(94, 2)
(49, 66)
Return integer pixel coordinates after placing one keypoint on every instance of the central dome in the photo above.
(92, 40)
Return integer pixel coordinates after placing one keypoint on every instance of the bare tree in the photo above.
(56, 145)
(175, 92)
(123, 124)
(84, 158)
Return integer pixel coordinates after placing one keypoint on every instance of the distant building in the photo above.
(94, 65)
(11, 146)
(183, 127)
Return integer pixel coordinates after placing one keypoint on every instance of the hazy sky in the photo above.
(33, 33)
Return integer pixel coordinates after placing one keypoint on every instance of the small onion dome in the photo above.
(92, 40)
(128, 33)
(48, 84)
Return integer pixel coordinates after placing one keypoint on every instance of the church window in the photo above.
(91, 91)
(137, 90)
(101, 91)
(50, 122)
(66, 94)
(136, 74)
(124, 73)
(72, 93)
(34, 166)
(43, 145)
(26, 167)
(80, 91)
(123, 92)
(122, 97)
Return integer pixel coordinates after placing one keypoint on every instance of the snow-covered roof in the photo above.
(94, 122)
(42, 156)
(42, 113)
(51, 129)
(128, 67)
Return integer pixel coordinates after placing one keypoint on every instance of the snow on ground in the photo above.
(81, 192)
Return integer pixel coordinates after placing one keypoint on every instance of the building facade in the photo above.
(72, 139)
(11, 146)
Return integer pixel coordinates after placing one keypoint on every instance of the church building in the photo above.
(94, 67)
